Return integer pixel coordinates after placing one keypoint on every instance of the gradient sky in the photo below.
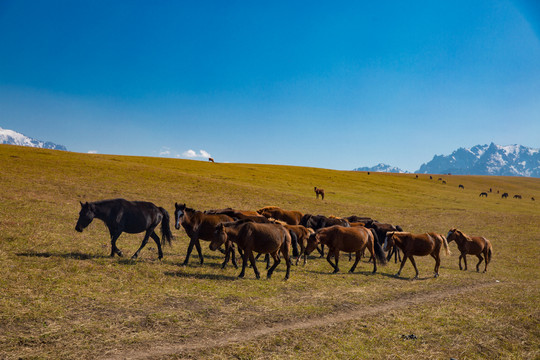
(331, 84)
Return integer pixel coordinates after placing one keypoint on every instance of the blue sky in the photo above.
(333, 84)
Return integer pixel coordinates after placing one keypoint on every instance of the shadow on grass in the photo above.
(70, 255)
(200, 276)
(393, 276)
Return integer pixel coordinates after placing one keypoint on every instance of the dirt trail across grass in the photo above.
(333, 318)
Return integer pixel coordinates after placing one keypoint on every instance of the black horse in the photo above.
(127, 216)
(317, 222)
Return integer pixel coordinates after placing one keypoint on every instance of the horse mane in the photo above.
(268, 208)
(467, 237)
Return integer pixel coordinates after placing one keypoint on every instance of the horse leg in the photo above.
(402, 264)
(143, 244)
(479, 262)
(154, 236)
(199, 250)
(233, 256)
(437, 263)
(253, 264)
(465, 261)
(277, 260)
(321, 250)
(330, 261)
(356, 260)
(372, 251)
(244, 264)
(189, 250)
(267, 259)
(336, 259)
(460, 256)
(287, 262)
(114, 249)
(228, 246)
(415, 268)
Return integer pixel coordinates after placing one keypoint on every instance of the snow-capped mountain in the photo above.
(14, 138)
(381, 168)
(492, 159)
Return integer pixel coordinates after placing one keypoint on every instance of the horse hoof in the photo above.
(436, 276)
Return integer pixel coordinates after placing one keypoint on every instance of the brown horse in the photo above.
(199, 225)
(484, 194)
(291, 217)
(211, 159)
(255, 237)
(473, 245)
(417, 244)
(347, 239)
(301, 233)
(319, 192)
(237, 214)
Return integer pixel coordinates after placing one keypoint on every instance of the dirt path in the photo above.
(251, 334)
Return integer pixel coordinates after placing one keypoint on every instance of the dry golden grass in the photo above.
(63, 297)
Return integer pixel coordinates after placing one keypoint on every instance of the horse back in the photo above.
(416, 244)
(130, 216)
(206, 224)
(263, 238)
(348, 239)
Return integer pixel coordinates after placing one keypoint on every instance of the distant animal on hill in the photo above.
(517, 196)
(319, 192)
(368, 172)
(483, 194)
(291, 217)
(211, 159)
(473, 245)
(416, 177)
(254, 237)
(351, 239)
(532, 198)
(461, 186)
(132, 217)
(417, 244)
(439, 179)
(444, 181)
(490, 190)
(430, 177)
(200, 226)
(504, 195)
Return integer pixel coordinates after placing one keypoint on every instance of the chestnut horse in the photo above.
(199, 225)
(301, 234)
(319, 192)
(291, 217)
(255, 237)
(417, 244)
(347, 239)
(473, 245)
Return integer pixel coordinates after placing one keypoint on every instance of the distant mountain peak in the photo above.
(381, 168)
(14, 138)
(492, 159)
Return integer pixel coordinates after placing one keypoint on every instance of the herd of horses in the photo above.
(274, 231)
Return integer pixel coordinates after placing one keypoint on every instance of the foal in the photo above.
(473, 245)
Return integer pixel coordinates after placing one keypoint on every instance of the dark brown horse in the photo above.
(127, 216)
(199, 225)
(419, 245)
(517, 196)
(462, 187)
(319, 192)
(236, 214)
(301, 234)
(484, 194)
(211, 159)
(504, 195)
(291, 217)
(473, 245)
(351, 239)
(255, 237)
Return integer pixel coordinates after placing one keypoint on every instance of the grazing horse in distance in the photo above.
(504, 195)
(484, 194)
(473, 245)
(291, 217)
(517, 196)
(351, 239)
(417, 244)
(255, 237)
(200, 226)
(132, 217)
(461, 187)
(211, 159)
(319, 192)
(532, 198)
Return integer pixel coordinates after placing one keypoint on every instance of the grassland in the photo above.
(62, 297)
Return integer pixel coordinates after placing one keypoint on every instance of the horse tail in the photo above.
(166, 234)
(379, 253)
(294, 242)
(490, 250)
(445, 244)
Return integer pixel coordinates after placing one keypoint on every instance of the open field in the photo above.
(62, 297)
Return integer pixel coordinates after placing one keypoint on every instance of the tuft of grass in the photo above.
(63, 297)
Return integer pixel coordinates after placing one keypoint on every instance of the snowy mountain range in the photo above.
(492, 159)
(14, 138)
(381, 168)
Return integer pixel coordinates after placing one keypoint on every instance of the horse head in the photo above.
(312, 242)
(451, 234)
(179, 212)
(389, 241)
(220, 237)
(86, 215)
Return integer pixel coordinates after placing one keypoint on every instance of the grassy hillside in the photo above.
(63, 297)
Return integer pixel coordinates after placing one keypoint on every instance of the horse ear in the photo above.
(82, 205)
(176, 206)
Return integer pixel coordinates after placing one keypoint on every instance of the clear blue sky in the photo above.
(332, 84)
